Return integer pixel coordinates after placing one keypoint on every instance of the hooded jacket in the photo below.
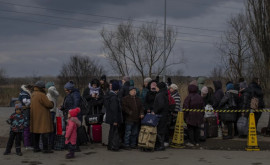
(71, 130)
(113, 110)
(193, 101)
(218, 95)
(52, 96)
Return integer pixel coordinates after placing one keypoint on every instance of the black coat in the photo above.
(149, 100)
(229, 102)
(253, 90)
(218, 95)
(124, 91)
(91, 100)
(161, 107)
(113, 111)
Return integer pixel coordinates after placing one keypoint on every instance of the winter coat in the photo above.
(132, 108)
(149, 100)
(25, 96)
(124, 91)
(40, 112)
(253, 90)
(143, 94)
(113, 112)
(17, 122)
(161, 107)
(52, 96)
(229, 102)
(91, 100)
(177, 100)
(25, 99)
(71, 130)
(193, 101)
(105, 87)
(218, 95)
(71, 101)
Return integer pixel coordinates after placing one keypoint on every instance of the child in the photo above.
(17, 122)
(71, 131)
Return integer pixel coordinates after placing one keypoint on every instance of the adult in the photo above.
(160, 107)
(124, 91)
(229, 102)
(25, 99)
(145, 89)
(150, 96)
(193, 119)
(94, 96)
(41, 123)
(104, 85)
(218, 95)
(169, 82)
(113, 116)
(176, 96)
(52, 95)
(201, 82)
(254, 90)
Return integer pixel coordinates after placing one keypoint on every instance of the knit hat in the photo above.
(204, 90)
(153, 85)
(126, 78)
(174, 86)
(103, 77)
(69, 85)
(18, 106)
(229, 86)
(147, 80)
(194, 82)
(40, 84)
(243, 85)
(74, 112)
(131, 87)
(49, 84)
(115, 85)
(161, 85)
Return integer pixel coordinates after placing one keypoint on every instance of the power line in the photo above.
(96, 22)
(102, 16)
(68, 26)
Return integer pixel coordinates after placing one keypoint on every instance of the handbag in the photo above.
(150, 120)
(94, 118)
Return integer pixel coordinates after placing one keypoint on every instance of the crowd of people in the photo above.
(124, 106)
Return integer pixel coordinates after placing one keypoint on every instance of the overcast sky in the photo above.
(32, 44)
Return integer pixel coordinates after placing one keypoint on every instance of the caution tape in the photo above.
(222, 111)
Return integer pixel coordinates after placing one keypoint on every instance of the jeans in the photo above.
(131, 134)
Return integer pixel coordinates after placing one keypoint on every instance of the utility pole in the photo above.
(164, 57)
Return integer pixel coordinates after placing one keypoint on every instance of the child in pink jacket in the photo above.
(71, 131)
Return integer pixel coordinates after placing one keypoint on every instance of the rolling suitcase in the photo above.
(211, 127)
(105, 133)
(95, 132)
(147, 138)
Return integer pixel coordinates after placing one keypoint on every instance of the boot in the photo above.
(18, 151)
(160, 147)
(7, 152)
(70, 155)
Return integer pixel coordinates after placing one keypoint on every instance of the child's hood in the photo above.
(76, 120)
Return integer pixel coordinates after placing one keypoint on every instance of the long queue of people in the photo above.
(123, 106)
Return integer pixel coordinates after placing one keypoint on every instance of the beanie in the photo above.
(69, 85)
(174, 86)
(49, 84)
(103, 77)
(229, 86)
(147, 80)
(204, 90)
(126, 78)
(18, 106)
(74, 112)
(115, 85)
(161, 85)
(131, 87)
(40, 84)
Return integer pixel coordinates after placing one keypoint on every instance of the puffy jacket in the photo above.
(253, 90)
(132, 108)
(71, 130)
(52, 96)
(229, 102)
(71, 101)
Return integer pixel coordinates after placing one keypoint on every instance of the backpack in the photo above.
(254, 103)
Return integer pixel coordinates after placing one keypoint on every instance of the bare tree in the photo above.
(258, 12)
(3, 76)
(138, 49)
(80, 69)
(234, 48)
(217, 73)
